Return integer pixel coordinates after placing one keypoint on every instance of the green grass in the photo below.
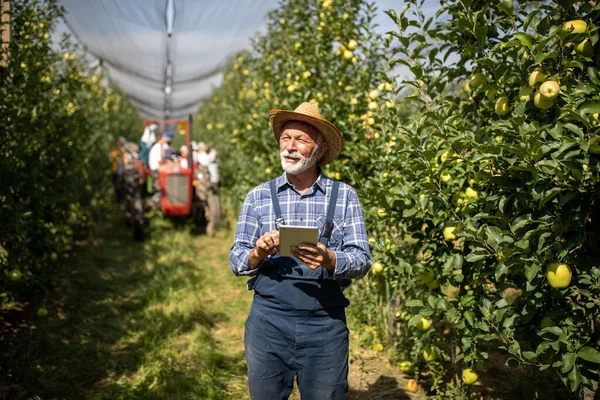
(155, 320)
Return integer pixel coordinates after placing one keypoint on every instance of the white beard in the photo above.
(301, 166)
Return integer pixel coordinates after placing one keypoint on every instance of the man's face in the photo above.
(298, 147)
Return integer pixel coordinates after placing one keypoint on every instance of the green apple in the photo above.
(471, 193)
(542, 102)
(575, 26)
(549, 90)
(594, 146)
(430, 353)
(449, 233)
(559, 275)
(424, 324)
(585, 48)
(477, 80)
(15, 275)
(377, 267)
(41, 312)
(434, 284)
(405, 365)
(426, 276)
(525, 93)
(536, 76)
(502, 106)
(469, 376)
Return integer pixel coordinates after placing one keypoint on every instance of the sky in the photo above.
(129, 36)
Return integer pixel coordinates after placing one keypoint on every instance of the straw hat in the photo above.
(309, 113)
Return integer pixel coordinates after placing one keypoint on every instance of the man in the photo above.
(297, 324)
(159, 151)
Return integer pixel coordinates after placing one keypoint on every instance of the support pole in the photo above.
(5, 30)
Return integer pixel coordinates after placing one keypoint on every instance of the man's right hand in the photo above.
(266, 245)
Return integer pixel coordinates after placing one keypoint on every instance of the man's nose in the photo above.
(290, 145)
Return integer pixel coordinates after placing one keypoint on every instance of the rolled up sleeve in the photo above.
(353, 260)
(246, 235)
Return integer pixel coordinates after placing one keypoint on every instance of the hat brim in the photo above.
(331, 134)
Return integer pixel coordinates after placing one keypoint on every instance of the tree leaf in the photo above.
(589, 354)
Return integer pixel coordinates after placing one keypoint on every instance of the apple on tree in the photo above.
(549, 90)
(559, 275)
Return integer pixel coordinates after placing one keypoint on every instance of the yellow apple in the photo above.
(542, 102)
(449, 233)
(381, 212)
(559, 275)
(373, 106)
(502, 106)
(575, 26)
(372, 241)
(373, 94)
(446, 177)
(469, 376)
(471, 193)
(429, 353)
(549, 90)
(377, 267)
(585, 48)
(477, 80)
(424, 324)
(405, 365)
(352, 44)
(412, 386)
(354, 101)
(348, 54)
(536, 77)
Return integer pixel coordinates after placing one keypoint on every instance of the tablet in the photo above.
(290, 236)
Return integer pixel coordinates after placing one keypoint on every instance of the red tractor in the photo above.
(185, 188)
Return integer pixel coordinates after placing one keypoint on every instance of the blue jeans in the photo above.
(281, 344)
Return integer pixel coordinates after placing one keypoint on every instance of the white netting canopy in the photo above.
(165, 75)
(167, 54)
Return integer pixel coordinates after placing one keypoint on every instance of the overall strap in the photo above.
(328, 228)
(276, 207)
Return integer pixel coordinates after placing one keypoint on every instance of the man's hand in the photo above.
(314, 256)
(266, 245)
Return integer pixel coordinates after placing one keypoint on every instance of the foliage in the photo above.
(470, 191)
(59, 120)
(518, 191)
(290, 64)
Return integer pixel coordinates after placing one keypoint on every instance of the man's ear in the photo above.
(322, 149)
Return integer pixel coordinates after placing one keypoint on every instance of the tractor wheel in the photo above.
(213, 214)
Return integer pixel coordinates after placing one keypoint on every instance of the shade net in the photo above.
(132, 39)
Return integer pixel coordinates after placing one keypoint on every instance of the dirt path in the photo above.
(162, 319)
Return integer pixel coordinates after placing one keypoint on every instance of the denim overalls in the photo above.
(297, 326)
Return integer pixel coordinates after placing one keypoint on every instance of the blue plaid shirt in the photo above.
(348, 239)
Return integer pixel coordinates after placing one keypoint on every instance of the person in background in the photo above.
(213, 167)
(183, 157)
(116, 154)
(202, 154)
(159, 152)
(147, 141)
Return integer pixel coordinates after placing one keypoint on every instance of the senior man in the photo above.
(297, 323)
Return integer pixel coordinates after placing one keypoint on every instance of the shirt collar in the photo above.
(321, 183)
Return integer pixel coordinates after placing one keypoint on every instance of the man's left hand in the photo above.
(314, 256)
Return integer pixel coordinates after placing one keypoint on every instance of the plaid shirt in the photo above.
(348, 239)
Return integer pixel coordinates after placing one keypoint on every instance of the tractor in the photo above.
(186, 191)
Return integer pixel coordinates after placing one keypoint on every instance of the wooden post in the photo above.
(5, 30)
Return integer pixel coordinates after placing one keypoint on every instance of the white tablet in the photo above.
(290, 236)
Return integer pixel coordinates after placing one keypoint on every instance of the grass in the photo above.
(133, 321)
